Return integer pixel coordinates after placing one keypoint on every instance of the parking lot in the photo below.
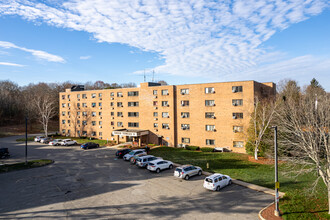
(94, 184)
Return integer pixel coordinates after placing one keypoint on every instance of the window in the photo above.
(133, 93)
(100, 95)
(119, 94)
(165, 115)
(93, 114)
(237, 89)
(210, 142)
(237, 129)
(100, 113)
(119, 124)
(63, 105)
(93, 133)
(119, 114)
(119, 104)
(165, 103)
(209, 103)
(69, 121)
(154, 92)
(133, 104)
(100, 104)
(209, 90)
(84, 122)
(93, 95)
(78, 105)
(63, 113)
(184, 91)
(239, 144)
(78, 113)
(133, 114)
(237, 115)
(93, 123)
(185, 114)
(111, 103)
(63, 96)
(69, 114)
(100, 134)
(63, 131)
(84, 133)
(185, 103)
(69, 96)
(209, 115)
(112, 94)
(93, 104)
(84, 113)
(185, 140)
(100, 122)
(164, 92)
(69, 131)
(155, 125)
(78, 121)
(84, 96)
(112, 124)
(63, 121)
(155, 103)
(78, 96)
(69, 105)
(165, 126)
(237, 102)
(210, 128)
(155, 114)
(185, 126)
(133, 124)
(112, 113)
(84, 105)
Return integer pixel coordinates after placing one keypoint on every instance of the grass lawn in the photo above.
(298, 203)
(22, 166)
(23, 139)
(85, 140)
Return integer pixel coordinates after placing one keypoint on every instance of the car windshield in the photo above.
(178, 169)
(151, 164)
(138, 159)
(209, 180)
(131, 153)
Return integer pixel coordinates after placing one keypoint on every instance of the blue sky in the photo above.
(185, 41)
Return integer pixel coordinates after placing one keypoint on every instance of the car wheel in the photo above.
(229, 182)
(158, 170)
(218, 188)
(171, 166)
(199, 173)
(186, 177)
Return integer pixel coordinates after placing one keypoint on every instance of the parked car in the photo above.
(160, 164)
(133, 159)
(129, 155)
(38, 138)
(67, 142)
(4, 153)
(89, 145)
(187, 171)
(55, 142)
(216, 181)
(121, 153)
(144, 160)
(45, 140)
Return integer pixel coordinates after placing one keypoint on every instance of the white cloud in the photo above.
(37, 53)
(85, 57)
(10, 64)
(195, 37)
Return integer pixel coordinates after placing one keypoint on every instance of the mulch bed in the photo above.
(268, 213)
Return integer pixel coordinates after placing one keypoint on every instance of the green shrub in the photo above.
(151, 145)
(192, 148)
(207, 149)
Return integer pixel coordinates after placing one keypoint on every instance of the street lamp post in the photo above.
(277, 184)
(26, 140)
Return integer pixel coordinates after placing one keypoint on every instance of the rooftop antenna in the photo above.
(144, 75)
(153, 75)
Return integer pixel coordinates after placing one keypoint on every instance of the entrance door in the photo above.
(129, 139)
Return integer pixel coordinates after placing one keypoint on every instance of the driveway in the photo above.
(94, 184)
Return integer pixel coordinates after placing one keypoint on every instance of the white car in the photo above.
(216, 181)
(55, 142)
(45, 140)
(133, 153)
(187, 171)
(67, 142)
(37, 138)
(158, 165)
(144, 160)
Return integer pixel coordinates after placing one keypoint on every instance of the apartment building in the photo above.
(205, 115)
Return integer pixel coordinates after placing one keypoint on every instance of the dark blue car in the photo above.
(89, 145)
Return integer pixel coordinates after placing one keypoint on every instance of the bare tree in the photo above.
(304, 122)
(261, 117)
(46, 110)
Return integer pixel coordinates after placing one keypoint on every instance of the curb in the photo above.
(260, 212)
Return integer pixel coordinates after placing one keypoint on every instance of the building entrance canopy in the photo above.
(130, 133)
